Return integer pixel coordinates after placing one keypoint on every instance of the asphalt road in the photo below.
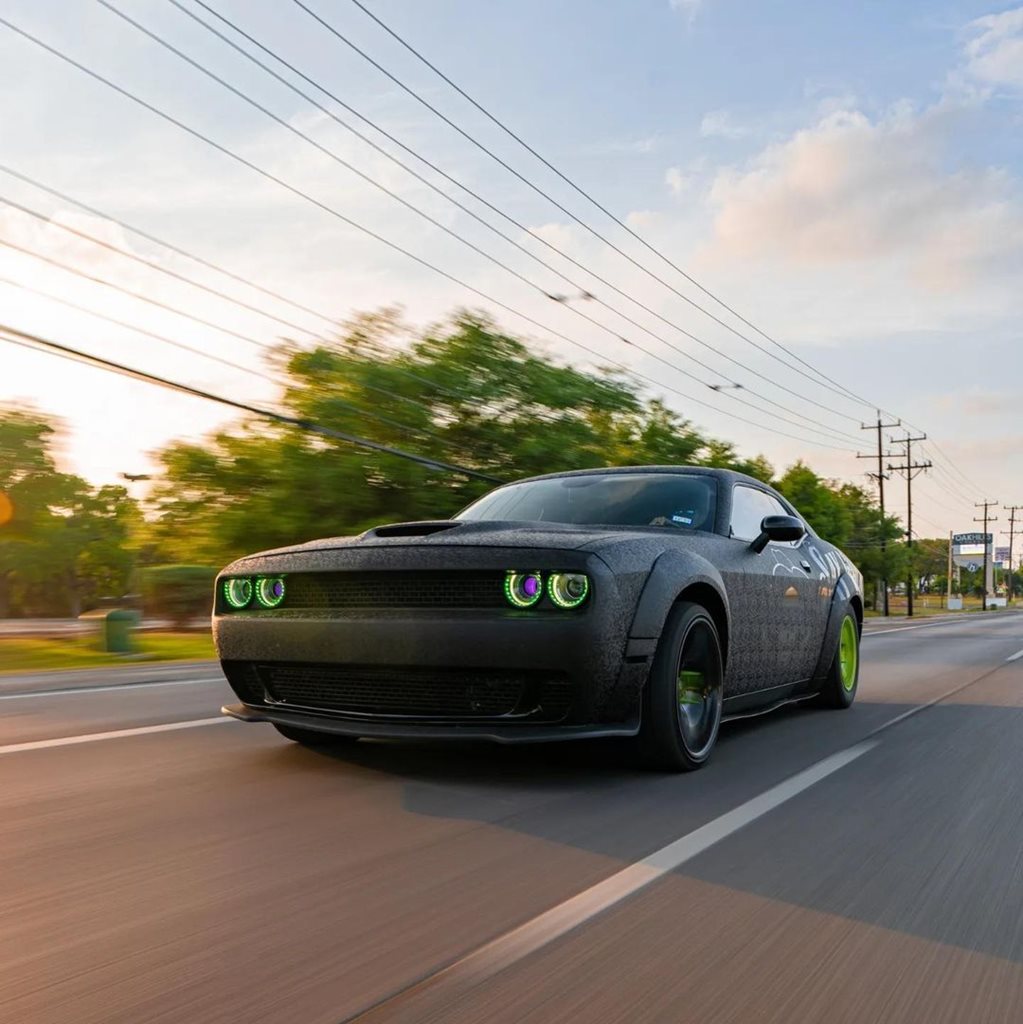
(828, 866)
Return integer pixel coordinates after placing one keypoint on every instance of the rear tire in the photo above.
(684, 695)
(839, 689)
(312, 738)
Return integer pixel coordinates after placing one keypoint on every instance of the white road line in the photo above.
(511, 947)
(70, 690)
(923, 625)
(1015, 657)
(95, 737)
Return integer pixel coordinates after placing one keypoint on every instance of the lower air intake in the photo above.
(435, 694)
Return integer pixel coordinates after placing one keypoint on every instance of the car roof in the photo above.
(725, 475)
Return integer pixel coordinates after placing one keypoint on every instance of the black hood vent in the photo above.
(423, 529)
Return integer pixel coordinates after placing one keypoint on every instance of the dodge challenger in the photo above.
(652, 602)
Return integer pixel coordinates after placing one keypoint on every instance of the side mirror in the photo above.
(778, 528)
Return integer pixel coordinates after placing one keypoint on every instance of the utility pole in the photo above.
(909, 469)
(948, 576)
(1012, 510)
(880, 476)
(985, 505)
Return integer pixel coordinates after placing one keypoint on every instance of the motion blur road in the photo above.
(197, 869)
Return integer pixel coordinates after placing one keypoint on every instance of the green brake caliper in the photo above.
(691, 687)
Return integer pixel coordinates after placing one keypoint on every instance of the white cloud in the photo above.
(855, 190)
(995, 53)
(689, 8)
(719, 124)
(677, 181)
(979, 402)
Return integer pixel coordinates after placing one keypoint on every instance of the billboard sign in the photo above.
(972, 538)
(1002, 555)
(969, 549)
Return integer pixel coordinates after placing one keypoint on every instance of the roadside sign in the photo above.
(970, 550)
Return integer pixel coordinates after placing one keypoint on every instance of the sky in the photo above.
(848, 180)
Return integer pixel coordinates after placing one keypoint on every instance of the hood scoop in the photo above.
(424, 529)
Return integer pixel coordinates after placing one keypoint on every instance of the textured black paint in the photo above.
(780, 607)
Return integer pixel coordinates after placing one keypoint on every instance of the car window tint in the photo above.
(670, 500)
(749, 506)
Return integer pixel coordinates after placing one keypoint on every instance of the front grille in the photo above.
(390, 589)
(389, 692)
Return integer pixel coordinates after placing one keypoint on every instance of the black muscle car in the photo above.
(647, 601)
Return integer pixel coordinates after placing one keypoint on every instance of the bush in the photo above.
(178, 592)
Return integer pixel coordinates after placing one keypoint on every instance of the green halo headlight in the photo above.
(269, 591)
(238, 592)
(523, 589)
(568, 589)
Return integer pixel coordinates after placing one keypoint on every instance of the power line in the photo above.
(180, 312)
(64, 197)
(949, 482)
(837, 389)
(966, 480)
(133, 294)
(183, 346)
(158, 267)
(540, 289)
(586, 195)
(34, 341)
(133, 327)
(375, 235)
(461, 206)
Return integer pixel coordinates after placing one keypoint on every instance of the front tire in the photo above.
(683, 698)
(312, 738)
(839, 689)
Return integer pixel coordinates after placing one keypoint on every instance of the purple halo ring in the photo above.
(522, 589)
(270, 591)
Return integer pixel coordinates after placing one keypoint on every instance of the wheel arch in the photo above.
(704, 594)
(676, 577)
(845, 594)
(857, 605)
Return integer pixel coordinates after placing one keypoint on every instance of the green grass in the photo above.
(922, 607)
(32, 654)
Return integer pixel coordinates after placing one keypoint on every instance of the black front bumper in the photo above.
(585, 651)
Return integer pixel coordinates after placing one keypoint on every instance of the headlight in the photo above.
(238, 592)
(523, 589)
(568, 589)
(269, 591)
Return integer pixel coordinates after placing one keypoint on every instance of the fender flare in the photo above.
(672, 573)
(845, 591)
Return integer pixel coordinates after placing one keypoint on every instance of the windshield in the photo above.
(612, 499)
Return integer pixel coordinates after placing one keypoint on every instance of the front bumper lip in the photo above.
(376, 729)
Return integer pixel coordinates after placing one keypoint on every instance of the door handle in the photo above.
(806, 566)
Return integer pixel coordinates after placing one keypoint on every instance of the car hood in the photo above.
(455, 533)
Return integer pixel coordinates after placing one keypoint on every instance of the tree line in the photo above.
(464, 392)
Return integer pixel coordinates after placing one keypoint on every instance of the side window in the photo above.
(749, 506)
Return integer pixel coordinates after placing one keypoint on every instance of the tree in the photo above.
(67, 544)
(465, 393)
(849, 516)
(929, 561)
